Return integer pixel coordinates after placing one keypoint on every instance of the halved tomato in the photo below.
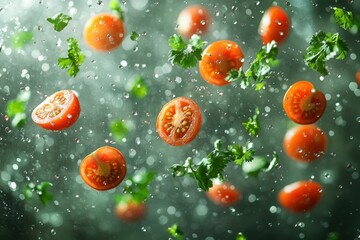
(194, 19)
(179, 121)
(304, 104)
(131, 211)
(103, 169)
(223, 194)
(57, 112)
(218, 59)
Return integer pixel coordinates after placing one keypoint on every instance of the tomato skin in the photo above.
(104, 32)
(224, 194)
(274, 25)
(179, 121)
(300, 196)
(194, 19)
(304, 104)
(357, 76)
(131, 211)
(58, 111)
(305, 143)
(103, 169)
(218, 59)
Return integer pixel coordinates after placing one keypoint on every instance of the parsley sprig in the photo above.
(252, 126)
(119, 129)
(15, 108)
(323, 47)
(59, 22)
(260, 164)
(345, 19)
(259, 69)
(74, 60)
(20, 39)
(41, 189)
(183, 54)
(116, 7)
(176, 232)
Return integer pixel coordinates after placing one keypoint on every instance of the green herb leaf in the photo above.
(42, 190)
(59, 22)
(74, 60)
(20, 39)
(252, 126)
(183, 54)
(16, 108)
(240, 236)
(333, 236)
(344, 18)
(176, 232)
(116, 7)
(324, 46)
(139, 88)
(134, 36)
(260, 164)
(259, 69)
(118, 129)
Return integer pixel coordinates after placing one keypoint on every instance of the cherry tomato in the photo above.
(104, 32)
(305, 143)
(57, 112)
(194, 19)
(218, 59)
(304, 104)
(103, 169)
(274, 25)
(300, 196)
(357, 76)
(179, 121)
(223, 194)
(131, 211)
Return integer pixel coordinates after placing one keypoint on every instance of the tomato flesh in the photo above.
(58, 111)
(103, 169)
(131, 211)
(300, 196)
(223, 194)
(179, 121)
(218, 59)
(194, 19)
(274, 25)
(104, 32)
(304, 104)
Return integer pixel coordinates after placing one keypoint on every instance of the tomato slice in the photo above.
(304, 104)
(131, 211)
(218, 59)
(179, 121)
(103, 169)
(104, 32)
(223, 194)
(194, 19)
(300, 196)
(57, 112)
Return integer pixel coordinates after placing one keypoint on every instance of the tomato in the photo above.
(357, 76)
(218, 59)
(104, 32)
(57, 112)
(131, 211)
(103, 169)
(179, 121)
(305, 143)
(274, 25)
(304, 104)
(223, 194)
(194, 19)
(300, 196)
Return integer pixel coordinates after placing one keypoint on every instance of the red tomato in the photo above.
(357, 76)
(274, 25)
(179, 121)
(57, 112)
(131, 211)
(300, 196)
(104, 32)
(218, 59)
(194, 19)
(305, 143)
(304, 104)
(103, 169)
(223, 194)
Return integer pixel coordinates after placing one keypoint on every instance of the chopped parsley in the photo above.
(22, 38)
(42, 190)
(134, 36)
(240, 236)
(176, 232)
(183, 54)
(15, 109)
(139, 88)
(116, 7)
(323, 47)
(259, 69)
(74, 60)
(252, 126)
(345, 19)
(118, 129)
(59, 22)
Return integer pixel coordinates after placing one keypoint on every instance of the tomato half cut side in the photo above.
(179, 121)
(103, 169)
(58, 111)
(218, 59)
(300, 196)
(131, 211)
(194, 19)
(224, 194)
(304, 104)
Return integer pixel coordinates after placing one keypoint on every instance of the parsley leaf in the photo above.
(259, 69)
(59, 22)
(260, 164)
(345, 19)
(139, 88)
(74, 60)
(118, 129)
(115, 6)
(20, 39)
(176, 232)
(324, 46)
(16, 109)
(240, 236)
(134, 36)
(42, 190)
(183, 54)
(252, 126)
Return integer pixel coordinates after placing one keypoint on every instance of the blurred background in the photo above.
(34, 155)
